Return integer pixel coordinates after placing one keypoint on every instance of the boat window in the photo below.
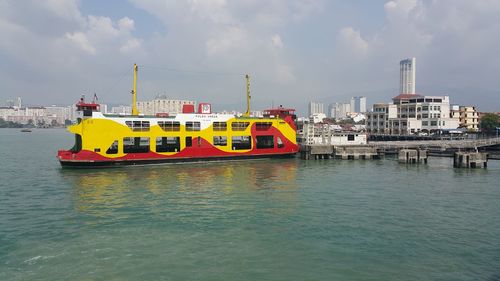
(220, 126)
(113, 149)
(135, 145)
(220, 140)
(280, 142)
(78, 144)
(192, 126)
(265, 142)
(241, 142)
(168, 144)
(239, 126)
(138, 126)
(189, 141)
(263, 126)
(170, 126)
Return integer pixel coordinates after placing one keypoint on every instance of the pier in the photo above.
(408, 151)
(412, 156)
(470, 160)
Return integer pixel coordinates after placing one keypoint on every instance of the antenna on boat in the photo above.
(247, 113)
(134, 92)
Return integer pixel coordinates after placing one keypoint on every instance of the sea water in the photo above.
(283, 219)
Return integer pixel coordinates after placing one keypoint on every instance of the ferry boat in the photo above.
(110, 140)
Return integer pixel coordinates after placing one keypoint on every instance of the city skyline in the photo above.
(322, 50)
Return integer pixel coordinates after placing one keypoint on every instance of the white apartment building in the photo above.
(358, 104)
(59, 113)
(121, 109)
(407, 74)
(315, 108)
(23, 115)
(162, 105)
(339, 110)
(410, 114)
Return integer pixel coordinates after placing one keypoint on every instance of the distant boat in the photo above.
(26, 130)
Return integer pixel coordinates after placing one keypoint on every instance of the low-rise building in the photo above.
(410, 114)
(468, 117)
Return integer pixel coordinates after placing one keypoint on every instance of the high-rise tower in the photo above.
(407, 70)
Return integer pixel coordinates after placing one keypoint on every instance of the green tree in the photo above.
(489, 122)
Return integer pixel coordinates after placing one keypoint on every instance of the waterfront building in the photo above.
(329, 134)
(161, 104)
(23, 115)
(468, 117)
(407, 75)
(58, 114)
(121, 109)
(315, 107)
(410, 114)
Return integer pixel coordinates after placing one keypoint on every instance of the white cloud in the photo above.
(81, 41)
(133, 45)
(126, 24)
(350, 41)
(226, 39)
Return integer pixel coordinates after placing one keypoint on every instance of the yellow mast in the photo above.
(247, 113)
(134, 93)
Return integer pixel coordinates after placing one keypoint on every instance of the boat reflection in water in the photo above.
(200, 190)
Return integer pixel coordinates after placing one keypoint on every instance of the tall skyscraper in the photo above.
(358, 104)
(315, 107)
(407, 70)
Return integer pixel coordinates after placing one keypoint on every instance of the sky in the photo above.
(295, 51)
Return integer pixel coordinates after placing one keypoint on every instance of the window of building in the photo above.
(170, 126)
(350, 137)
(239, 126)
(138, 126)
(220, 140)
(168, 144)
(113, 148)
(425, 123)
(433, 123)
(220, 126)
(241, 142)
(263, 126)
(425, 107)
(192, 126)
(264, 142)
(135, 145)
